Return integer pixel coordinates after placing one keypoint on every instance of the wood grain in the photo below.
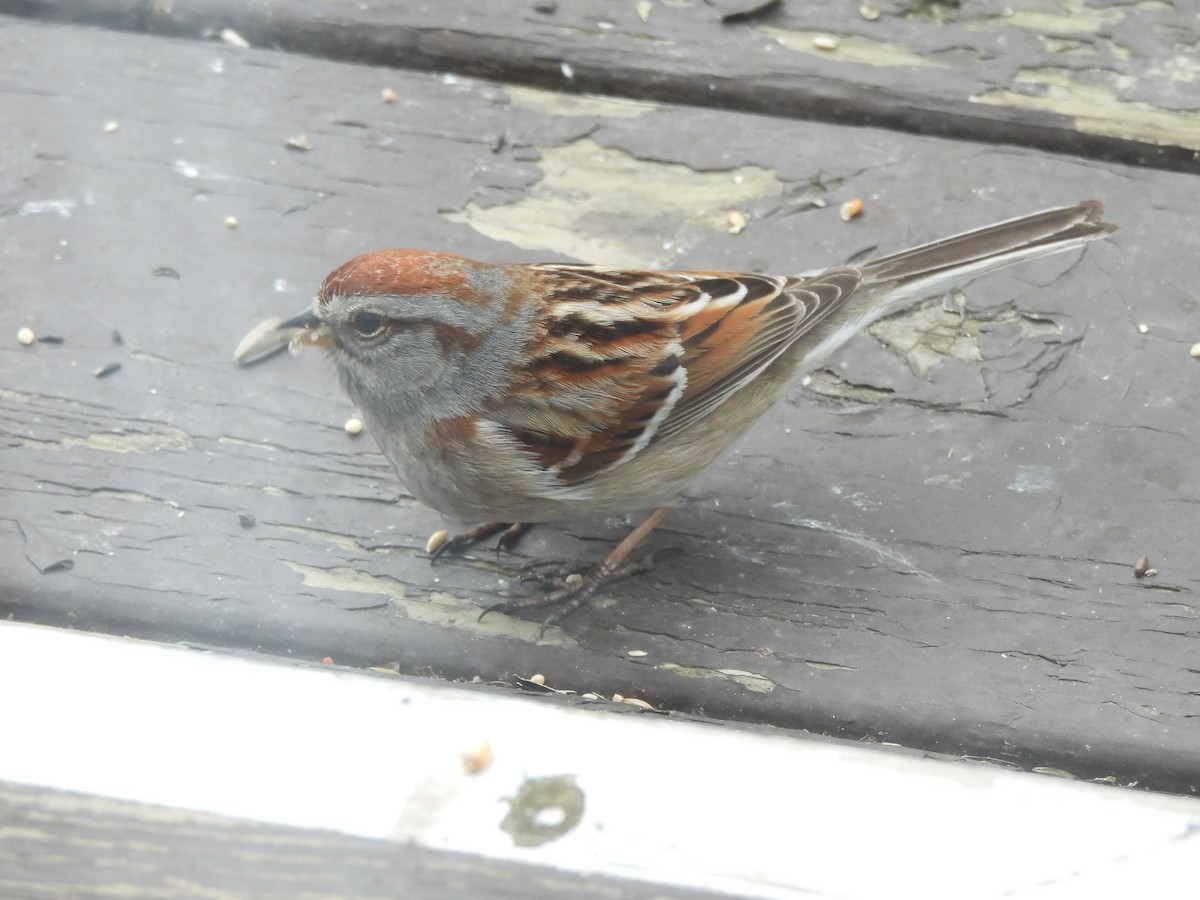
(932, 543)
(60, 844)
(1107, 80)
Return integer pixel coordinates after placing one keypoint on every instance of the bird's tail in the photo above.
(928, 270)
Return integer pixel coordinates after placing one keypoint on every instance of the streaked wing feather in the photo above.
(648, 354)
(777, 319)
(605, 369)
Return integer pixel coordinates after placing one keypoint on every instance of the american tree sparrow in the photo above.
(517, 394)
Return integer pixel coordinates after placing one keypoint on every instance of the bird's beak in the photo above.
(308, 328)
(272, 336)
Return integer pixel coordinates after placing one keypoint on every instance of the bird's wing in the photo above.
(620, 359)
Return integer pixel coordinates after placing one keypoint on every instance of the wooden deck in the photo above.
(218, 774)
(930, 543)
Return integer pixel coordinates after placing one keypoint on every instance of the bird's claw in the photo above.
(510, 535)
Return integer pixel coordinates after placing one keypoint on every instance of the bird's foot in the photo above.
(573, 595)
(510, 535)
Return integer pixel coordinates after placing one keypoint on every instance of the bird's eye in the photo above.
(367, 324)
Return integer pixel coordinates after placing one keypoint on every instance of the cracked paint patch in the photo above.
(556, 103)
(752, 681)
(1072, 47)
(1010, 351)
(1071, 17)
(1096, 109)
(604, 206)
(341, 541)
(436, 608)
(850, 48)
(1034, 480)
(830, 384)
(1181, 69)
(116, 442)
(930, 334)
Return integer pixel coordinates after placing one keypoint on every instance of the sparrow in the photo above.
(528, 393)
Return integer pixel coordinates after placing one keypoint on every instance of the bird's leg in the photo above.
(570, 598)
(512, 534)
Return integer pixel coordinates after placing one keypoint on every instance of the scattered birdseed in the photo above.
(230, 222)
(635, 654)
(436, 540)
(1143, 327)
(107, 369)
(537, 679)
(328, 660)
(353, 426)
(869, 11)
(110, 127)
(644, 9)
(25, 337)
(298, 142)
(825, 42)
(573, 578)
(634, 701)
(477, 758)
(389, 95)
(264, 337)
(850, 209)
(1142, 568)
(233, 39)
(246, 520)
(1196, 351)
(737, 221)
(567, 71)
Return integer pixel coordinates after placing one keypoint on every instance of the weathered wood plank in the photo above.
(562, 794)
(59, 844)
(1110, 80)
(930, 545)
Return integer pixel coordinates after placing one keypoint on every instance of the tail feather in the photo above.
(890, 283)
(953, 261)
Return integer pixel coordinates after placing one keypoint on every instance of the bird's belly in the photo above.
(476, 488)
